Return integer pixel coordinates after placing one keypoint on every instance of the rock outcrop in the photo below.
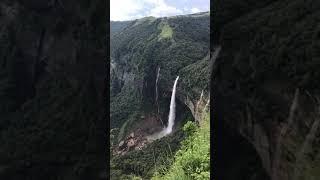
(131, 142)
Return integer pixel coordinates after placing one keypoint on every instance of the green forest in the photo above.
(146, 57)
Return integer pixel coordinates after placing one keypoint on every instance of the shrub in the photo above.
(192, 161)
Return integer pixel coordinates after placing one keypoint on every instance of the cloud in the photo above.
(161, 8)
(195, 10)
(125, 9)
(121, 10)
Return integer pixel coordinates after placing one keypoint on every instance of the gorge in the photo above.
(146, 110)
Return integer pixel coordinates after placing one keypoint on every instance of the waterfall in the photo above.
(158, 74)
(157, 103)
(172, 112)
(171, 118)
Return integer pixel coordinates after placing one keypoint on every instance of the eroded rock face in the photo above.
(134, 141)
(130, 143)
(132, 135)
(121, 144)
(197, 106)
(267, 56)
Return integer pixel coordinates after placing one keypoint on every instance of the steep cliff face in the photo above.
(52, 66)
(146, 57)
(265, 81)
(169, 46)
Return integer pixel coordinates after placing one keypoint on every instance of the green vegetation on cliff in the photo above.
(143, 163)
(166, 32)
(178, 46)
(192, 160)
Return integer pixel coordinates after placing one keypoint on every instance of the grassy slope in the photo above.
(166, 32)
(192, 161)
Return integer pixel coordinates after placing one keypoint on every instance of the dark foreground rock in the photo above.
(266, 83)
(52, 74)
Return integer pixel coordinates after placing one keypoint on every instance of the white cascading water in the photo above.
(171, 118)
(158, 74)
(172, 112)
(157, 103)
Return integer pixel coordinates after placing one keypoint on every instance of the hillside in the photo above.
(267, 95)
(146, 57)
(192, 160)
(117, 26)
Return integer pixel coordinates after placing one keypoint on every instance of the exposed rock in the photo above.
(132, 135)
(121, 144)
(130, 143)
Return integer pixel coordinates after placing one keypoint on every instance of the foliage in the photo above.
(166, 32)
(179, 46)
(192, 160)
(189, 128)
(118, 26)
(137, 53)
(120, 109)
(143, 162)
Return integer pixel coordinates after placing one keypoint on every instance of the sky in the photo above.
(122, 10)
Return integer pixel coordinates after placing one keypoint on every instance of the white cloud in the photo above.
(195, 10)
(185, 9)
(121, 10)
(161, 8)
